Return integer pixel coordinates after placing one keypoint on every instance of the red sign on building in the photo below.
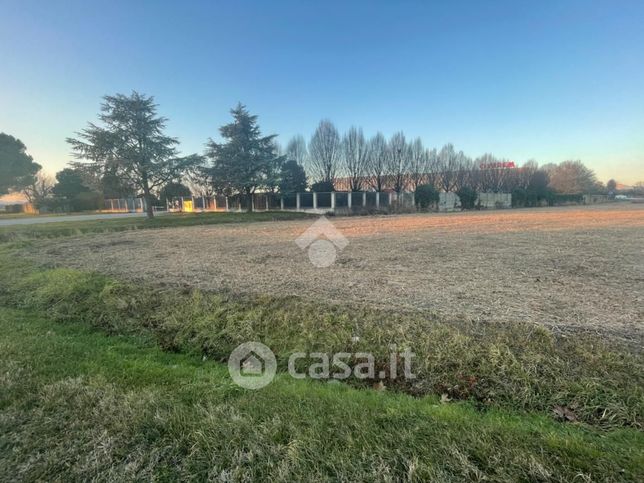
(499, 165)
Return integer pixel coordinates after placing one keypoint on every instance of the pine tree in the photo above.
(17, 169)
(246, 161)
(293, 177)
(132, 145)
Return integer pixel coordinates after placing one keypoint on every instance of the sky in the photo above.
(547, 80)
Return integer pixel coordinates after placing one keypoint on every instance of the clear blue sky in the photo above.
(550, 80)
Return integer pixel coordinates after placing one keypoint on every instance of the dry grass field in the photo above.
(569, 268)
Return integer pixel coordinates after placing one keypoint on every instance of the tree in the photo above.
(273, 174)
(572, 177)
(447, 167)
(492, 175)
(39, 189)
(323, 187)
(611, 186)
(354, 158)
(638, 188)
(292, 177)
(131, 143)
(398, 161)
(104, 180)
(419, 164)
(376, 168)
(296, 150)
(324, 152)
(466, 173)
(17, 169)
(468, 197)
(432, 175)
(539, 182)
(247, 160)
(114, 186)
(69, 184)
(426, 195)
(173, 190)
(72, 192)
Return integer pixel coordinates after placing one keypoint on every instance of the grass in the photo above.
(509, 366)
(102, 380)
(78, 404)
(68, 228)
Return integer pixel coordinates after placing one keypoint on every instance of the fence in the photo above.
(124, 205)
(451, 202)
(310, 202)
(307, 201)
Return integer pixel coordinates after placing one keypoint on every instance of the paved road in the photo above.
(53, 219)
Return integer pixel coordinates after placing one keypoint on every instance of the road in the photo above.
(53, 219)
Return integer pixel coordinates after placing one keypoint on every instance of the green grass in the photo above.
(103, 380)
(78, 404)
(509, 366)
(67, 228)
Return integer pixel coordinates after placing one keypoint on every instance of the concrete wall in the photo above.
(448, 202)
(495, 200)
(593, 199)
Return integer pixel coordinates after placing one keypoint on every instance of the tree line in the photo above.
(128, 153)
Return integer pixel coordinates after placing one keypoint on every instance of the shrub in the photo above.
(555, 199)
(519, 197)
(468, 197)
(322, 187)
(426, 195)
(87, 201)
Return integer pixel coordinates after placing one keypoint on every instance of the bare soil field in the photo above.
(569, 268)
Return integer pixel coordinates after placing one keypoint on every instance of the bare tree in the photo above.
(377, 162)
(491, 175)
(296, 150)
(39, 189)
(447, 165)
(398, 161)
(199, 181)
(432, 175)
(572, 177)
(524, 174)
(465, 174)
(419, 164)
(354, 158)
(324, 152)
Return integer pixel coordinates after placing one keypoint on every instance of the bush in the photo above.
(87, 201)
(519, 198)
(426, 195)
(322, 187)
(555, 199)
(468, 197)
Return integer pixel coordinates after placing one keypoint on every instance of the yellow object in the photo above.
(187, 206)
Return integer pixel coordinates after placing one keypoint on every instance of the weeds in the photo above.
(80, 405)
(511, 366)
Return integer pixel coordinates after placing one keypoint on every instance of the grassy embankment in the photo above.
(67, 228)
(104, 380)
